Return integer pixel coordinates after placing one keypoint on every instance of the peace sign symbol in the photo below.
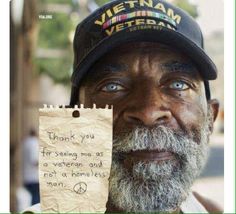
(80, 188)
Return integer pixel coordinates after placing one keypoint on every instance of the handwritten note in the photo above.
(74, 159)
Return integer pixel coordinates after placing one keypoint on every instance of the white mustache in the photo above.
(159, 138)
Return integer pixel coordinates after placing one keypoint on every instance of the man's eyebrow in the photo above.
(113, 67)
(106, 69)
(176, 66)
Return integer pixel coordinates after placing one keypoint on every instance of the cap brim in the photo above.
(166, 36)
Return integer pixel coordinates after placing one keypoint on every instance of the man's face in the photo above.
(161, 123)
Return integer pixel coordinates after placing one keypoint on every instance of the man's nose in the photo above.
(149, 112)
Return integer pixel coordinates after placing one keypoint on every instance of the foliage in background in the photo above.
(58, 69)
(101, 2)
(55, 34)
(190, 8)
(70, 2)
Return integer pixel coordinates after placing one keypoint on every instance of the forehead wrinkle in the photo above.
(142, 63)
(150, 58)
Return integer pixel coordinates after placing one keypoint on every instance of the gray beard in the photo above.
(154, 186)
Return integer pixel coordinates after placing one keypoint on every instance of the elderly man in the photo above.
(146, 58)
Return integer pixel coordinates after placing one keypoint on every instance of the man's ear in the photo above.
(214, 103)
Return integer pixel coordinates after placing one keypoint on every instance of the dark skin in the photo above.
(148, 84)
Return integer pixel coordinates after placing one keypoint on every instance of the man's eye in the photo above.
(112, 87)
(178, 85)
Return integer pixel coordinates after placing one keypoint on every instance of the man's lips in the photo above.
(146, 155)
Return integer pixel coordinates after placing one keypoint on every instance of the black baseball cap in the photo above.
(124, 21)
